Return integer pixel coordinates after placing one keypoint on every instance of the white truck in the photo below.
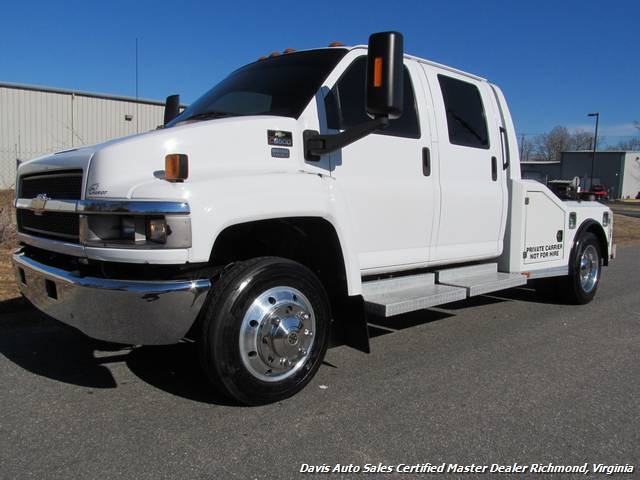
(303, 193)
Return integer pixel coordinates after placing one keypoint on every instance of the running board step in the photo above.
(395, 296)
(479, 279)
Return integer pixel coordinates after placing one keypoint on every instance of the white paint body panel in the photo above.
(390, 203)
(465, 178)
(533, 228)
(543, 221)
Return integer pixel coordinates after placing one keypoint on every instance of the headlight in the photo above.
(135, 231)
(157, 230)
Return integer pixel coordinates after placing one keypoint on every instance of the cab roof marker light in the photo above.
(336, 44)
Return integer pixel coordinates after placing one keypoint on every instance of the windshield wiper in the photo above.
(209, 116)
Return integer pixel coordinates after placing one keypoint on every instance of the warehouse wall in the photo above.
(540, 171)
(35, 122)
(631, 180)
(607, 169)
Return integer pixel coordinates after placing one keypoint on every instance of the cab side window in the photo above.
(346, 103)
(466, 119)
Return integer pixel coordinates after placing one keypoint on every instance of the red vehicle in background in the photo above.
(600, 192)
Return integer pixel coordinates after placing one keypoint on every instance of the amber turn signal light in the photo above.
(176, 167)
(377, 72)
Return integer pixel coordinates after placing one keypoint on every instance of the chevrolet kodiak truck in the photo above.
(301, 194)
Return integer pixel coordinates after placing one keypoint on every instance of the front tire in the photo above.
(264, 330)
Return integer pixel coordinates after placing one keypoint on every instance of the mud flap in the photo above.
(349, 325)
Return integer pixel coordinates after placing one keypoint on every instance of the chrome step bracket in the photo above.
(479, 279)
(394, 296)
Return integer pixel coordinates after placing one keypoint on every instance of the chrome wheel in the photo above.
(277, 333)
(589, 268)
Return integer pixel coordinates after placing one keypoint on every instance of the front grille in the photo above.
(60, 185)
(55, 225)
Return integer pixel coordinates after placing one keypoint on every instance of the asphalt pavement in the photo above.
(622, 209)
(500, 379)
(628, 212)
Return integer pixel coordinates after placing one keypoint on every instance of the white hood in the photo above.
(133, 167)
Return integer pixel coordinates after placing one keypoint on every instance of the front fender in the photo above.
(219, 204)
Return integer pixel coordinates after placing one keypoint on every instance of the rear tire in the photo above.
(264, 330)
(584, 271)
(585, 267)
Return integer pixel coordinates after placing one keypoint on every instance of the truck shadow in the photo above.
(526, 294)
(175, 369)
(379, 326)
(48, 348)
(51, 349)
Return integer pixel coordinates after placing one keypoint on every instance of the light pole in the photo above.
(595, 145)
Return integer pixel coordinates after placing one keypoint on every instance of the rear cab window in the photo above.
(466, 119)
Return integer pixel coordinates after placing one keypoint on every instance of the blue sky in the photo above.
(555, 60)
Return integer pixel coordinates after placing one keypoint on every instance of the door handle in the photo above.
(426, 162)
(504, 142)
(494, 168)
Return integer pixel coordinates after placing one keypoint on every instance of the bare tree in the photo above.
(526, 148)
(631, 144)
(549, 145)
(581, 140)
(628, 145)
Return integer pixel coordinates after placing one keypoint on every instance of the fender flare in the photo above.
(589, 225)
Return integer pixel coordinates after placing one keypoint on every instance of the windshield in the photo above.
(281, 85)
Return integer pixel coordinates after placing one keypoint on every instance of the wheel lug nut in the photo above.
(308, 332)
(302, 351)
(275, 321)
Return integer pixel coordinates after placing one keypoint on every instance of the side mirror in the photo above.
(384, 89)
(385, 75)
(171, 108)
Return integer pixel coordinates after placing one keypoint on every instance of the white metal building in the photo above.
(37, 120)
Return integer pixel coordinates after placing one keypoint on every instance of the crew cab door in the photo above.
(471, 175)
(384, 179)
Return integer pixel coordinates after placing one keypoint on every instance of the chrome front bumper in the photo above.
(134, 312)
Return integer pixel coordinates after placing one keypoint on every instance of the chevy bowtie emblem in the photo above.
(38, 203)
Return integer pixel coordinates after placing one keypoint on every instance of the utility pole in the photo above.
(137, 104)
(595, 145)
